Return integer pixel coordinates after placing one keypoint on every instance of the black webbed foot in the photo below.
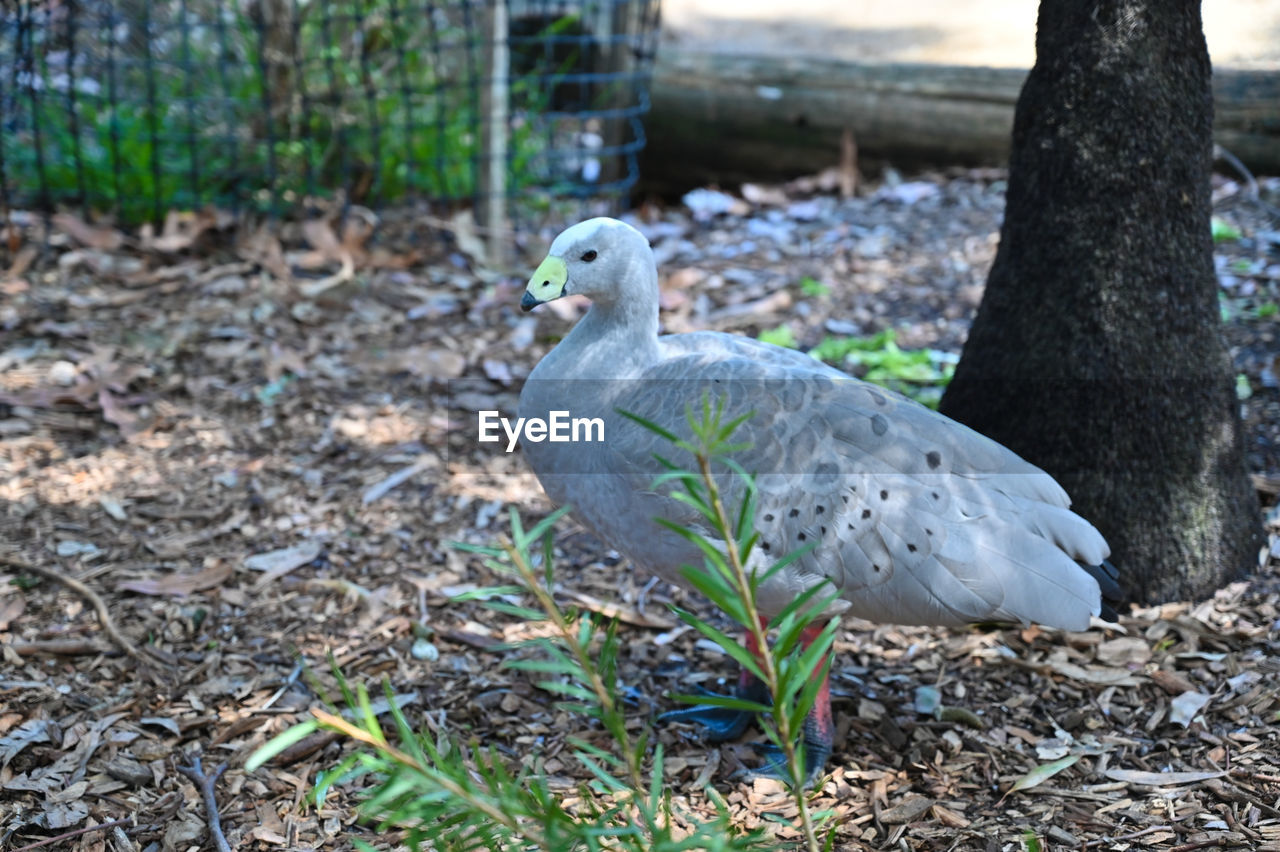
(720, 723)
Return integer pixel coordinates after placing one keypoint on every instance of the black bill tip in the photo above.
(528, 302)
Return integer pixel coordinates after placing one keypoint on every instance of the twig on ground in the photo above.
(1255, 776)
(99, 606)
(1241, 169)
(1172, 825)
(60, 647)
(70, 834)
(1254, 194)
(1214, 843)
(206, 783)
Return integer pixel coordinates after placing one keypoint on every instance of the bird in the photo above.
(911, 517)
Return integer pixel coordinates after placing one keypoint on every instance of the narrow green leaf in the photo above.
(786, 560)
(483, 550)
(605, 777)
(562, 667)
(367, 713)
(720, 593)
(522, 612)
(732, 426)
(807, 694)
(280, 742)
(696, 501)
(517, 528)
(1043, 773)
(799, 615)
(544, 526)
(727, 701)
(596, 752)
(570, 689)
(708, 549)
(408, 742)
(670, 437)
(731, 646)
(486, 593)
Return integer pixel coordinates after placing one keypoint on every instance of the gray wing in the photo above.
(917, 518)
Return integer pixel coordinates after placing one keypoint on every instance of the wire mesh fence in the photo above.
(135, 107)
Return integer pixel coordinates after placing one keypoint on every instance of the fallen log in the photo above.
(726, 119)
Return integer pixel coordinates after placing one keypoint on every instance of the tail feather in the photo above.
(1113, 594)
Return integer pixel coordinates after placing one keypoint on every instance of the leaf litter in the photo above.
(255, 442)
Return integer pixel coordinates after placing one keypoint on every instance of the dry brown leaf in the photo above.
(428, 362)
(320, 235)
(463, 226)
(684, 278)
(84, 392)
(262, 248)
(765, 196)
(1160, 779)
(345, 273)
(1092, 674)
(384, 486)
(281, 360)
(13, 287)
(498, 371)
(176, 544)
(1171, 682)
(180, 585)
(22, 262)
(779, 300)
(181, 229)
(1186, 707)
(906, 811)
(270, 829)
(98, 237)
(628, 615)
(473, 640)
(11, 608)
(357, 227)
(113, 411)
(948, 817)
(570, 307)
(1124, 651)
(277, 563)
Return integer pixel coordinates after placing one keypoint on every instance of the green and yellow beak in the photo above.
(546, 284)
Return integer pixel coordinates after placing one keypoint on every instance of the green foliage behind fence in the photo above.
(135, 106)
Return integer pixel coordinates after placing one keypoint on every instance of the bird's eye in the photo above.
(588, 256)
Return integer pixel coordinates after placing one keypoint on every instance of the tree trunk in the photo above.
(1097, 352)
(728, 119)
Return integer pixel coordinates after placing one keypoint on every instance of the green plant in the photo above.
(810, 286)
(918, 373)
(921, 374)
(352, 93)
(453, 796)
(781, 336)
(1223, 231)
(791, 672)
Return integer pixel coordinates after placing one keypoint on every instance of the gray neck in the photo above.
(616, 338)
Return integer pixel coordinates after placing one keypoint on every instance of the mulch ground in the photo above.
(251, 443)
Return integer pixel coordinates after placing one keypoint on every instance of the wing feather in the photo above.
(918, 518)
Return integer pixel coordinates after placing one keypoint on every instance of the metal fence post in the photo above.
(497, 108)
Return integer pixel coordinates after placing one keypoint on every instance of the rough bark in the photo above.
(1097, 352)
